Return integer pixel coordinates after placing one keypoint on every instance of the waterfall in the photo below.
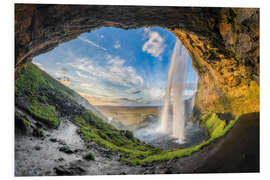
(174, 123)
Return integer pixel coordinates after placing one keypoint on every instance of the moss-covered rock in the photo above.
(45, 113)
(89, 157)
(43, 97)
(213, 124)
(38, 133)
(21, 121)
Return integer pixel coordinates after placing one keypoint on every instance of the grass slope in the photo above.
(45, 99)
(41, 95)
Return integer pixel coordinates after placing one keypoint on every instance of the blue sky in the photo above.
(111, 66)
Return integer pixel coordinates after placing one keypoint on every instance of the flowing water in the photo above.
(173, 113)
(175, 129)
(194, 134)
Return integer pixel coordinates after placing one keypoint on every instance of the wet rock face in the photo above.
(223, 43)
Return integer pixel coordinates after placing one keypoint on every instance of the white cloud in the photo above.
(154, 93)
(83, 64)
(115, 60)
(85, 86)
(117, 45)
(155, 44)
(81, 74)
(114, 71)
(99, 78)
(92, 43)
(121, 74)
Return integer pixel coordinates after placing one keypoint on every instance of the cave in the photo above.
(222, 42)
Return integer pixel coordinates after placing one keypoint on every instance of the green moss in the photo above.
(236, 56)
(26, 123)
(95, 129)
(213, 124)
(227, 19)
(167, 155)
(38, 133)
(136, 152)
(45, 113)
(21, 121)
(248, 100)
(34, 81)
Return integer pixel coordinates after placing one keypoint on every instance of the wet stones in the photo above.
(38, 133)
(89, 157)
(53, 139)
(59, 159)
(66, 150)
(58, 140)
(37, 148)
(69, 169)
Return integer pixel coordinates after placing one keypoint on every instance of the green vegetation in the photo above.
(26, 123)
(241, 99)
(136, 152)
(213, 124)
(21, 121)
(95, 129)
(35, 87)
(38, 133)
(33, 83)
(249, 98)
(167, 155)
(45, 113)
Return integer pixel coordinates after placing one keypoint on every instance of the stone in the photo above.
(53, 139)
(66, 150)
(69, 169)
(37, 148)
(89, 157)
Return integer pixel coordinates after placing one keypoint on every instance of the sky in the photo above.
(112, 66)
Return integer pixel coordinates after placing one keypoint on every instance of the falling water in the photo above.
(174, 95)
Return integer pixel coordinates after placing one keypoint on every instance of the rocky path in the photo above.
(61, 152)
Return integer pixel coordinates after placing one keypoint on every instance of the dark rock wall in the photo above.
(223, 43)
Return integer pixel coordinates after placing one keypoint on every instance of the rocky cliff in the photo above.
(223, 43)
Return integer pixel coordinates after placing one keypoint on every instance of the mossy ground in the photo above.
(45, 113)
(34, 80)
(137, 152)
(217, 132)
(213, 124)
(95, 129)
(37, 88)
